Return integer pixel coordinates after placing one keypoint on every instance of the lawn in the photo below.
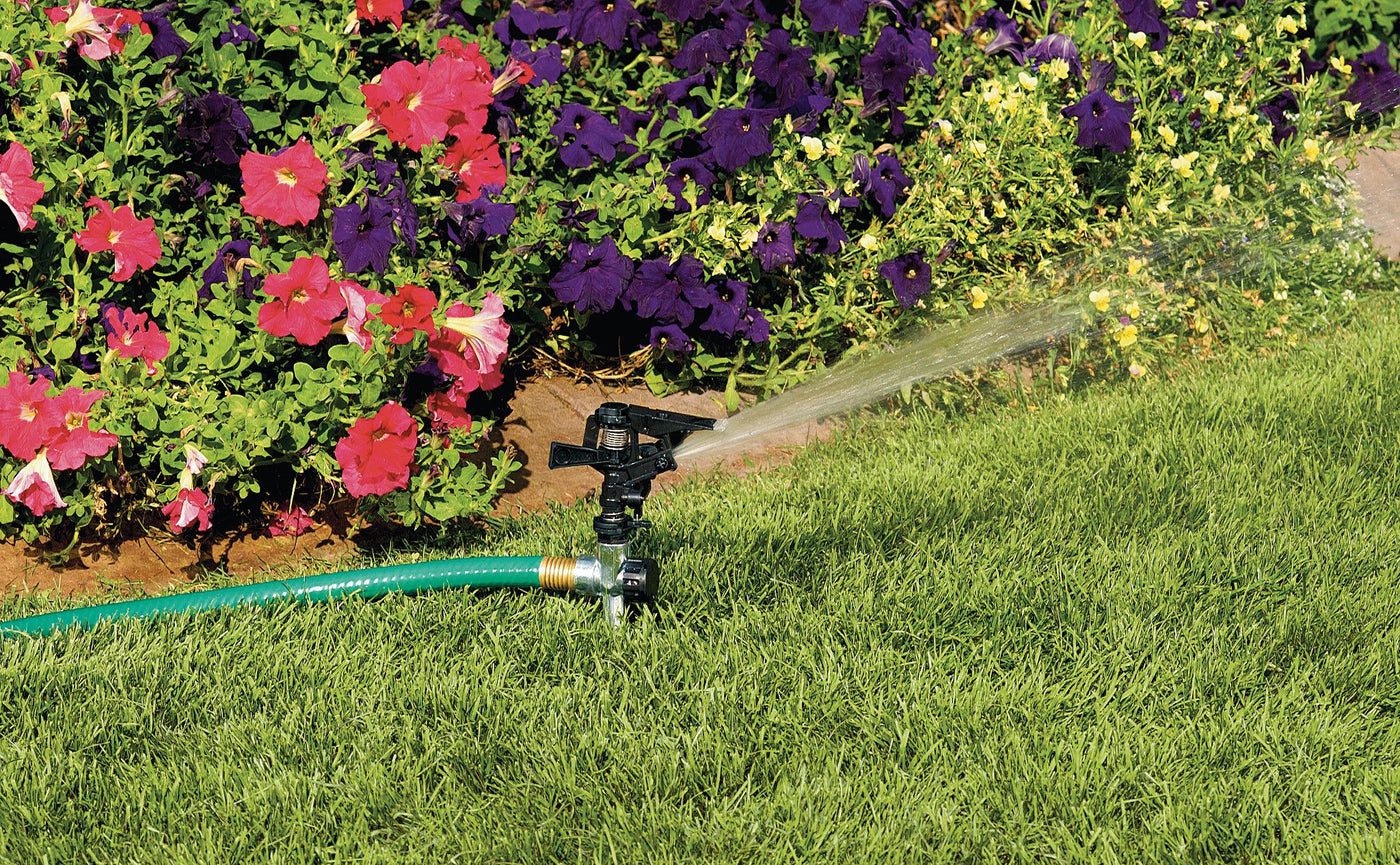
(1150, 623)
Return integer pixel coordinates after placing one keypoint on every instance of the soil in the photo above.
(543, 410)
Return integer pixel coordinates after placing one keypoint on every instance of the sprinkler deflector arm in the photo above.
(582, 575)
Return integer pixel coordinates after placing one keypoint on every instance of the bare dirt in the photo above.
(543, 410)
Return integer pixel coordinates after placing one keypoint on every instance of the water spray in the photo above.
(611, 444)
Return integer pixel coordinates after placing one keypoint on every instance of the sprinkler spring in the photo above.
(612, 445)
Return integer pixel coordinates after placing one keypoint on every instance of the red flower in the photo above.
(284, 187)
(132, 334)
(380, 10)
(26, 421)
(477, 161)
(294, 522)
(376, 455)
(306, 303)
(411, 310)
(35, 487)
(412, 103)
(472, 346)
(449, 409)
(133, 240)
(76, 441)
(18, 188)
(188, 508)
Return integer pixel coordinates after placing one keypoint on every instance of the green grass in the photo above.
(1159, 624)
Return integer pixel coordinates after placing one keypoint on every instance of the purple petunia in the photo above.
(1145, 16)
(773, 248)
(678, 93)
(547, 63)
(1277, 111)
(228, 256)
(476, 220)
(816, 223)
(670, 337)
(710, 48)
(604, 21)
(736, 136)
(1376, 86)
(728, 307)
(843, 16)
(214, 128)
(885, 181)
(681, 11)
(887, 70)
(594, 277)
(667, 292)
(523, 23)
(1006, 34)
(784, 67)
(683, 171)
(236, 34)
(1103, 121)
(165, 41)
(584, 135)
(363, 236)
(1056, 46)
(910, 275)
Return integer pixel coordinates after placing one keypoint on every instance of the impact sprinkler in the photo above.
(611, 444)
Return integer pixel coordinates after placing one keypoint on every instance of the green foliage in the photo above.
(1353, 26)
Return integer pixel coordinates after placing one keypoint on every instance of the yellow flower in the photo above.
(833, 148)
(1287, 24)
(1220, 192)
(1168, 135)
(813, 147)
(1214, 98)
(1132, 310)
(1182, 164)
(945, 130)
(1030, 82)
(1100, 298)
(979, 147)
(1057, 68)
(1241, 32)
(992, 95)
(1342, 67)
(979, 297)
(1127, 336)
(716, 230)
(1138, 38)
(868, 242)
(748, 238)
(1164, 206)
(1350, 109)
(1135, 370)
(1311, 149)
(1135, 264)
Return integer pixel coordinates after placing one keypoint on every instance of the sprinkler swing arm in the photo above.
(611, 444)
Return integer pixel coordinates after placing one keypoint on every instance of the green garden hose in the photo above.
(479, 573)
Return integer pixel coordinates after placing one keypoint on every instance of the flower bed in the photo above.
(262, 253)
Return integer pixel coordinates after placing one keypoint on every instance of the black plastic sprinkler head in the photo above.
(612, 445)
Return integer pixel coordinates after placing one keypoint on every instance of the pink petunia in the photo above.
(376, 454)
(476, 159)
(132, 240)
(190, 507)
(380, 10)
(35, 487)
(95, 29)
(410, 311)
(133, 334)
(75, 441)
(27, 423)
(305, 304)
(472, 346)
(358, 300)
(284, 187)
(449, 410)
(18, 188)
(294, 522)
